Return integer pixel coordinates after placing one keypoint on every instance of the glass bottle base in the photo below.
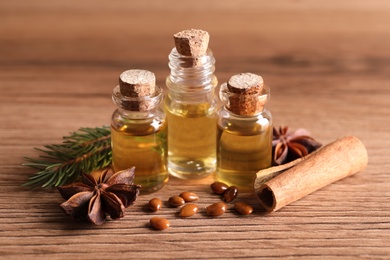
(191, 169)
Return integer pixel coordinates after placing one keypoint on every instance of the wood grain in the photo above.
(328, 66)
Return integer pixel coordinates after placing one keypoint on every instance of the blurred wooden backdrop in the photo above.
(328, 66)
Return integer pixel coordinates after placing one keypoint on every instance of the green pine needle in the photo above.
(83, 151)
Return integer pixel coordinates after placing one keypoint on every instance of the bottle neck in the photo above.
(137, 107)
(248, 124)
(136, 115)
(191, 74)
(244, 104)
(226, 112)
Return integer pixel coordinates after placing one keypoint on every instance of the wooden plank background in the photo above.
(328, 66)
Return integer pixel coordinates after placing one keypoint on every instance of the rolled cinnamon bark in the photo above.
(337, 160)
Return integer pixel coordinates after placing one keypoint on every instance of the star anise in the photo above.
(92, 199)
(289, 145)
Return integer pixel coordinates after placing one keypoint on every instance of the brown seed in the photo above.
(155, 204)
(216, 209)
(219, 187)
(243, 208)
(188, 210)
(230, 194)
(159, 223)
(176, 201)
(189, 196)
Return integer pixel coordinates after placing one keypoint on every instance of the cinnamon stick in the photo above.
(267, 174)
(337, 160)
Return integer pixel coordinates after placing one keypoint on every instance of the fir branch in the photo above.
(83, 151)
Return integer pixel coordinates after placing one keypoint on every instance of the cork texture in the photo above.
(245, 83)
(192, 42)
(137, 83)
(141, 105)
(245, 105)
(246, 94)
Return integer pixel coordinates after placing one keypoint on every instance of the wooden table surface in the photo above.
(328, 66)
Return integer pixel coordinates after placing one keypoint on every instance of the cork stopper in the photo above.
(137, 88)
(192, 42)
(245, 83)
(137, 83)
(245, 93)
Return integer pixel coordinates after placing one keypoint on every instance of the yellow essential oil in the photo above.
(146, 152)
(242, 153)
(192, 140)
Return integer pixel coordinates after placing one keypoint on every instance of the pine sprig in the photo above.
(83, 151)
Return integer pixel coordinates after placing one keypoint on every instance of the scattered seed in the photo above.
(155, 204)
(176, 201)
(243, 208)
(159, 223)
(230, 194)
(216, 209)
(189, 196)
(219, 187)
(188, 210)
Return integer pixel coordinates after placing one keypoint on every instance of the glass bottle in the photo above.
(191, 113)
(244, 138)
(138, 132)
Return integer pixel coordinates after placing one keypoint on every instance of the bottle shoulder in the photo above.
(244, 125)
(134, 124)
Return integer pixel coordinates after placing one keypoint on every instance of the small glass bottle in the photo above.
(191, 107)
(244, 139)
(138, 129)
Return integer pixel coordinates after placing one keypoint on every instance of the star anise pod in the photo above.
(92, 199)
(289, 145)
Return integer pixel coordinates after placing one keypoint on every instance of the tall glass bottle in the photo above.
(244, 139)
(191, 108)
(138, 129)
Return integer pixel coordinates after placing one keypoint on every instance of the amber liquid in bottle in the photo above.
(143, 146)
(192, 139)
(241, 153)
